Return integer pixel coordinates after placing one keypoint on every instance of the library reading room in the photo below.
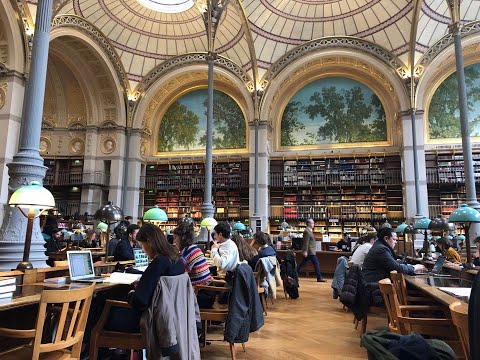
(240, 179)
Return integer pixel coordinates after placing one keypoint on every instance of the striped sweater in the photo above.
(196, 266)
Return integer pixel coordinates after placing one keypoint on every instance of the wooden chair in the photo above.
(459, 314)
(113, 339)
(398, 281)
(218, 313)
(72, 307)
(261, 293)
(423, 319)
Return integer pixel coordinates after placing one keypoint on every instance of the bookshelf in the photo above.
(446, 181)
(178, 188)
(339, 193)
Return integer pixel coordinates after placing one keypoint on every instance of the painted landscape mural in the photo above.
(333, 110)
(184, 124)
(443, 112)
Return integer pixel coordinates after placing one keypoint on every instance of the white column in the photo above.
(13, 86)
(408, 165)
(115, 194)
(91, 192)
(263, 173)
(134, 171)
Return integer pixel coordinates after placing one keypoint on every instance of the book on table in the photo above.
(7, 281)
(7, 295)
(7, 288)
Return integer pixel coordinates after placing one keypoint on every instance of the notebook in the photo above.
(80, 266)
(437, 268)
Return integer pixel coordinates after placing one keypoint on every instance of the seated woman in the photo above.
(245, 251)
(195, 263)
(164, 262)
(264, 248)
(450, 253)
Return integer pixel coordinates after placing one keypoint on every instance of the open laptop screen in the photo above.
(80, 264)
(437, 268)
(141, 259)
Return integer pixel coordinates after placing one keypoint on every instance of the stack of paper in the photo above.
(7, 287)
(122, 278)
(457, 291)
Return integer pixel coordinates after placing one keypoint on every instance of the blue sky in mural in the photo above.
(308, 135)
(194, 101)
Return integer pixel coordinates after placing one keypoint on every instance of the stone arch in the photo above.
(12, 53)
(378, 75)
(165, 90)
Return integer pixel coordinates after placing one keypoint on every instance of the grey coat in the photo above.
(169, 326)
(309, 242)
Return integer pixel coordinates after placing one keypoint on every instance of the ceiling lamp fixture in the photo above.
(167, 6)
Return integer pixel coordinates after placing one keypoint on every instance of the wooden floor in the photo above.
(312, 327)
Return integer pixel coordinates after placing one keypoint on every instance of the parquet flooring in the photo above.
(314, 326)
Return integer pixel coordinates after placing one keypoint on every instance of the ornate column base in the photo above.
(208, 210)
(14, 227)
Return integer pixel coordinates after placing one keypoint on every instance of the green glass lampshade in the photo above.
(400, 229)
(155, 214)
(386, 224)
(461, 237)
(102, 226)
(422, 224)
(239, 226)
(409, 229)
(449, 237)
(32, 196)
(464, 214)
(210, 222)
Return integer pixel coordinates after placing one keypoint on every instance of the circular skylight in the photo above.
(167, 6)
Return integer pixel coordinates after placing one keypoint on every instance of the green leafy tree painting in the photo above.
(333, 110)
(444, 114)
(291, 123)
(178, 128)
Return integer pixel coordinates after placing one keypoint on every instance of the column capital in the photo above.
(211, 56)
(455, 28)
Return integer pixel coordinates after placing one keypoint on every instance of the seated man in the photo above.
(124, 249)
(224, 251)
(53, 244)
(264, 249)
(381, 259)
(345, 244)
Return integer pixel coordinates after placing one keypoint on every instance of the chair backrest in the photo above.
(459, 314)
(398, 281)
(391, 303)
(73, 306)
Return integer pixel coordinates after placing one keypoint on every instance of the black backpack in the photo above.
(288, 271)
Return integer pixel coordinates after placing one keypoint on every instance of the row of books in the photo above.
(7, 287)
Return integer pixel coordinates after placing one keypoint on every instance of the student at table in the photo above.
(124, 249)
(224, 251)
(381, 258)
(476, 261)
(246, 252)
(264, 249)
(450, 253)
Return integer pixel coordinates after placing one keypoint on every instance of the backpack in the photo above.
(288, 271)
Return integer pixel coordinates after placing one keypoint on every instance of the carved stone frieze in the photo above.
(3, 94)
(3, 53)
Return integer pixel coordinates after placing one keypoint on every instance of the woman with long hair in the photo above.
(245, 251)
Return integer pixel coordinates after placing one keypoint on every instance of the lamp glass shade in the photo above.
(155, 214)
(210, 222)
(464, 214)
(102, 226)
(409, 229)
(423, 223)
(439, 224)
(109, 213)
(32, 196)
(460, 237)
(386, 224)
(400, 229)
(239, 226)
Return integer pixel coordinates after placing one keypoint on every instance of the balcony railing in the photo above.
(219, 181)
(68, 178)
(77, 208)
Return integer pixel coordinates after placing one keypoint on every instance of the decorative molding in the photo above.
(45, 145)
(189, 59)
(109, 144)
(330, 42)
(76, 146)
(465, 30)
(3, 94)
(3, 55)
(26, 23)
(95, 34)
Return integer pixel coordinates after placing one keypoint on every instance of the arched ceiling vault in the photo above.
(256, 34)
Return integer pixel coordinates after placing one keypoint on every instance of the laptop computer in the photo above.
(437, 268)
(80, 267)
(141, 259)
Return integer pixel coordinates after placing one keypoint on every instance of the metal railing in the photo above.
(68, 178)
(452, 175)
(219, 181)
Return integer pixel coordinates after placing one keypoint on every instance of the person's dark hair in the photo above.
(369, 237)
(120, 230)
(131, 228)
(185, 231)
(54, 231)
(224, 229)
(388, 232)
(260, 238)
(157, 240)
(245, 251)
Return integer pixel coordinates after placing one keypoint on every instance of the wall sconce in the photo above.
(28, 199)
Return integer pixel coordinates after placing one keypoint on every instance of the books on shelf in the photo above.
(7, 287)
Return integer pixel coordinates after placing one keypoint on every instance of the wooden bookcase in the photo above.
(446, 180)
(339, 193)
(178, 189)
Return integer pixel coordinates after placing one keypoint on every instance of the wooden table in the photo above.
(421, 282)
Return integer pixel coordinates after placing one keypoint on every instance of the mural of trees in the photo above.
(183, 126)
(444, 114)
(333, 110)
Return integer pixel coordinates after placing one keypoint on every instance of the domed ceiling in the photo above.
(264, 29)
